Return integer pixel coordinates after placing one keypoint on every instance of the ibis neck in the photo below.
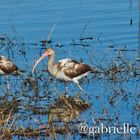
(51, 60)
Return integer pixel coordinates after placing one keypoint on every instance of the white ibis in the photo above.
(7, 67)
(67, 70)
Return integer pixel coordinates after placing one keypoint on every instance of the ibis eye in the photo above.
(49, 53)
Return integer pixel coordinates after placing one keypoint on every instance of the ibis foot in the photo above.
(66, 95)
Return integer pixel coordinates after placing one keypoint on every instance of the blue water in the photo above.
(109, 22)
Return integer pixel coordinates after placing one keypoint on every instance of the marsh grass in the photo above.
(8, 118)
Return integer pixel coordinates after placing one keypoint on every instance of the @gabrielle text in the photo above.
(125, 128)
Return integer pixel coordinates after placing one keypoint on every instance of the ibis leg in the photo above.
(76, 81)
(66, 86)
(80, 87)
(7, 82)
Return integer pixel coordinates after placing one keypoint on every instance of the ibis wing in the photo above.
(6, 65)
(73, 68)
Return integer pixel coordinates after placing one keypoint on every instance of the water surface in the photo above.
(108, 22)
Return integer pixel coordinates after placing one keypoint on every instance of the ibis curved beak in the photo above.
(38, 61)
